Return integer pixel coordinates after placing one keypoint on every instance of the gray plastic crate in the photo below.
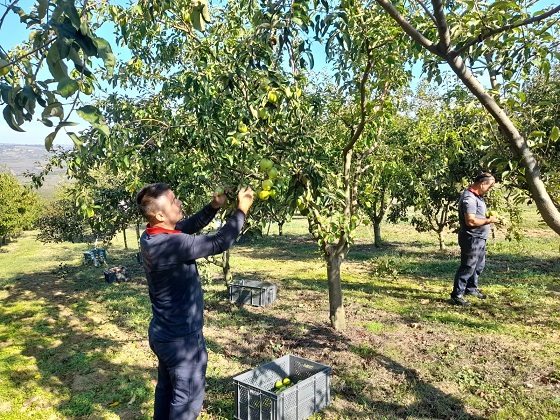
(252, 292)
(255, 398)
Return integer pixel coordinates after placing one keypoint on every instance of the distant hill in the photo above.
(22, 158)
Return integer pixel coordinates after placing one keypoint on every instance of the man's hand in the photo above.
(219, 198)
(245, 199)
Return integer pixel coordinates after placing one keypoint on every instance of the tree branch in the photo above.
(443, 28)
(407, 27)
(423, 5)
(7, 11)
(487, 34)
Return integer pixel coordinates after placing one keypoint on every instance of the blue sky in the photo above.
(13, 32)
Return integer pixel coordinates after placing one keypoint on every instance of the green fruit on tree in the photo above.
(273, 173)
(264, 194)
(220, 191)
(272, 193)
(266, 164)
(242, 128)
(267, 184)
(262, 113)
(272, 97)
(4, 67)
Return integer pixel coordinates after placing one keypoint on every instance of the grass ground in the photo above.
(73, 346)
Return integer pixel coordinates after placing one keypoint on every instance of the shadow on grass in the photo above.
(51, 317)
(268, 337)
(429, 401)
(416, 259)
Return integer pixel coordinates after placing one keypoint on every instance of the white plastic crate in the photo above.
(255, 398)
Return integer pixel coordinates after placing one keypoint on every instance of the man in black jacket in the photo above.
(169, 250)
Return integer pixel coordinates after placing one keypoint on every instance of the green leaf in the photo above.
(56, 66)
(536, 133)
(42, 6)
(105, 52)
(10, 120)
(90, 113)
(67, 87)
(555, 133)
(72, 13)
(49, 140)
(102, 128)
(76, 140)
(47, 122)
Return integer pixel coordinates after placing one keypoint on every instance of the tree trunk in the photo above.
(519, 146)
(124, 237)
(441, 241)
(377, 234)
(226, 269)
(337, 314)
(280, 228)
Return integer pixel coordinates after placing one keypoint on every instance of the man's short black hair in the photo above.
(483, 177)
(147, 195)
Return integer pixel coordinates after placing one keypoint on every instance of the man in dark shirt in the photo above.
(473, 232)
(169, 250)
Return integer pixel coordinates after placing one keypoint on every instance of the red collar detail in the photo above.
(473, 191)
(154, 231)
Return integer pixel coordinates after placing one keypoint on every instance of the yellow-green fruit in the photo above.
(272, 97)
(242, 128)
(267, 185)
(272, 193)
(262, 114)
(273, 173)
(264, 194)
(278, 384)
(220, 191)
(286, 381)
(266, 164)
(4, 67)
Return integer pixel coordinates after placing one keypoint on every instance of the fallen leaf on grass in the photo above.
(113, 404)
(132, 400)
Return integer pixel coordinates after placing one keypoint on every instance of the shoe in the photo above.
(477, 293)
(459, 300)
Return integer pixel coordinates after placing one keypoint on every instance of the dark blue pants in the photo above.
(473, 259)
(181, 377)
